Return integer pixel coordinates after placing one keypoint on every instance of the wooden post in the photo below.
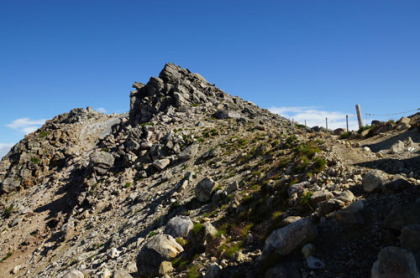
(292, 124)
(305, 124)
(359, 115)
(326, 123)
(347, 122)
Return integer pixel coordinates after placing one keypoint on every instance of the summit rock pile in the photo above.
(194, 182)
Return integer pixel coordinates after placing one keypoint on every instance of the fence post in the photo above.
(326, 123)
(347, 122)
(359, 115)
(305, 124)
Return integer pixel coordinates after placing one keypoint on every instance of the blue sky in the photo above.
(307, 59)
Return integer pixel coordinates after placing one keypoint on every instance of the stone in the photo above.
(161, 164)
(353, 214)
(347, 197)
(308, 250)
(314, 263)
(395, 186)
(74, 274)
(121, 274)
(113, 253)
(204, 189)
(158, 249)
(289, 220)
(165, 268)
(320, 196)
(394, 262)
(330, 205)
(179, 226)
(297, 188)
(209, 230)
(410, 237)
(171, 73)
(102, 159)
(402, 215)
(226, 114)
(189, 152)
(284, 270)
(285, 240)
(397, 147)
(373, 180)
(106, 273)
(213, 271)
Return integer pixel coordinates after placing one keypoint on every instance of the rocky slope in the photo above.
(194, 182)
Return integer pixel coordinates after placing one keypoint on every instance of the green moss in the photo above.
(8, 255)
(35, 160)
(43, 134)
(197, 228)
(8, 211)
(232, 250)
(127, 185)
(152, 234)
(193, 272)
(319, 165)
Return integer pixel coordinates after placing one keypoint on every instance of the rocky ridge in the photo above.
(194, 182)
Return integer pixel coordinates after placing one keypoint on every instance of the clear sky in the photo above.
(306, 59)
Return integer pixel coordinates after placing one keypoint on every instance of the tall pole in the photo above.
(347, 122)
(326, 123)
(359, 115)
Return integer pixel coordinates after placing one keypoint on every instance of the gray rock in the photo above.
(209, 230)
(283, 241)
(353, 214)
(297, 187)
(395, 186)
(213, 271)
(10, 184)
(320, 196)
(410, 237)
(394, 262)
(204, 189)
(189, 152)
(314, 263)
(226, 114)
(121, 274)
(74, 274)
(179, 226)
(373, 180)
(158, 249)
(330, 205)
(397, 147)
(403, 215)
(308, 250)
(347, 197)
(161, 164)
(102, 159)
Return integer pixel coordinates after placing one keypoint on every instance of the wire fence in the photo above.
(353, 119)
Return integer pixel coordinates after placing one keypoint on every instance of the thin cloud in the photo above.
(5, 148)
(26, 125)
(316, 117)
(101, 109)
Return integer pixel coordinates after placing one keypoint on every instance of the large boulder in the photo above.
(373, 180)
(158, 249)
(285, 240)
(226, 114)
(204, 189)
(394, 262)
(101, 161)
(179, 226)
(189, 152)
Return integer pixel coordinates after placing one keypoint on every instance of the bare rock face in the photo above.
(283, 241)
(179, 226)
(101, 161)
(394, 262)
(158, 249)
(204, 189)
(74, 274)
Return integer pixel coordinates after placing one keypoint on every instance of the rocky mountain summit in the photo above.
(194, 182)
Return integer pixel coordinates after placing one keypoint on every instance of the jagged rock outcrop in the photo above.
(194, 181)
